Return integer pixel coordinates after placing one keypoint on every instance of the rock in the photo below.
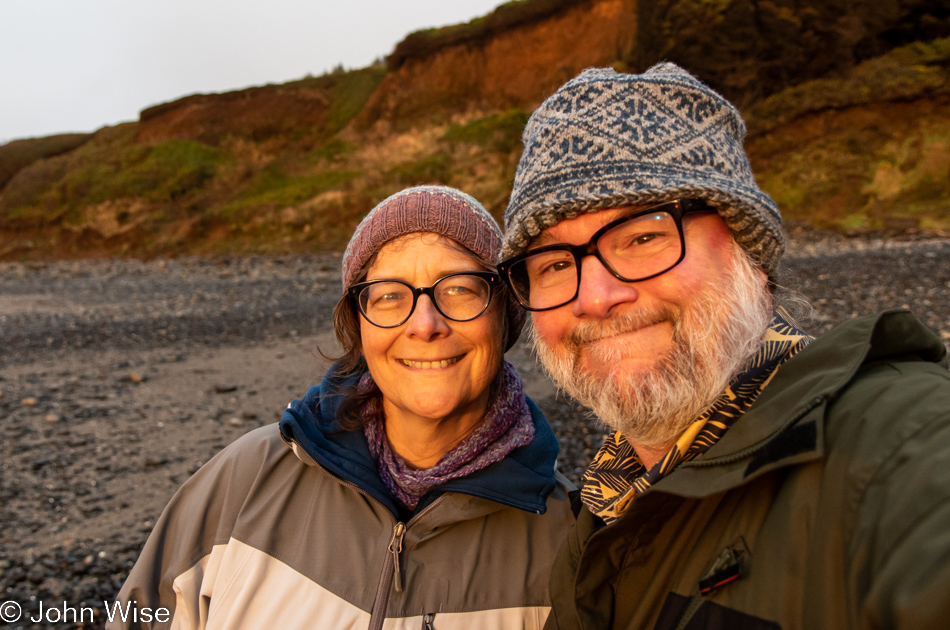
(223, 388)
(235, 422)
(155, 460)
(29, 402)
(135, 377)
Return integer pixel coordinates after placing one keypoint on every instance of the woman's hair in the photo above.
(346, 325)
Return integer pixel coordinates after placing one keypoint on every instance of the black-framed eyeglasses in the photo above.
(637, 246)
(460, 297)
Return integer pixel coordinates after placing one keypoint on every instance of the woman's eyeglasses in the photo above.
(460, 297)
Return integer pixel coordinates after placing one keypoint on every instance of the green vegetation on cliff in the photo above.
(18, 154)
(749, 49)
(851, 145)
(865, 151)
(350, 91)
(918, 70)
(499, 132)
(109, 167)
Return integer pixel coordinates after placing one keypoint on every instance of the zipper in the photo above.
(395, 548)
(690, 611)
(392, 572)
(427, 621)
(378, 616)
(391, 578)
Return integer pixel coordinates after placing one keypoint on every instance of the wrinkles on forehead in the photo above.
(558, 232)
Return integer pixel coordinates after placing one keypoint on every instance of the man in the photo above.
(757, 478)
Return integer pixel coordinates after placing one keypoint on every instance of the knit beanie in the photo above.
(437, 209)
(609, 140)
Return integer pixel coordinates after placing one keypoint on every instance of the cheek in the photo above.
(487, 338)
(550, 327)
(373, 344)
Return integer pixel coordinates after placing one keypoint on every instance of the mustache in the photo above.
(590, 332)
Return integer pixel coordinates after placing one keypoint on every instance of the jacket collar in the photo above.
(786, 425)
(523, 480)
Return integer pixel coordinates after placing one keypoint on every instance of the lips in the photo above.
(431, 365)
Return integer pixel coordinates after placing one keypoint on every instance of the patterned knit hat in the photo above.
(608, 140)
(437, 209)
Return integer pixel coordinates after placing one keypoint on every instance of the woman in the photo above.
(415, 484)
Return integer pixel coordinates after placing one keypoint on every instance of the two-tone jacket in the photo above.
(291, 527)
(826, 505)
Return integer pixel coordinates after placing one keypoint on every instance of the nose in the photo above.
(600, 291)
(426, 322)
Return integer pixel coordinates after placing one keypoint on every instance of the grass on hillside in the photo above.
(921, 68)
(500, 132)
(852, 153)
(865, 151)
(109, 167)
(18, 154)
(272, 187)
(350, 92)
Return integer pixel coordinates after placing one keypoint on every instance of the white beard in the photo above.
(713, 340)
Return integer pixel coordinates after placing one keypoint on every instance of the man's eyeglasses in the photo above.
(460, 297)
(637, 246)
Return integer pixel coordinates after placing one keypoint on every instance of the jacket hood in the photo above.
(523, 479)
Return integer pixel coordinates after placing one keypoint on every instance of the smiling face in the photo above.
(431, 368)
(648, 357)
(649, 308)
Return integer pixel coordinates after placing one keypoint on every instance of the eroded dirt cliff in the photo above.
(846, 104)
(516, 67)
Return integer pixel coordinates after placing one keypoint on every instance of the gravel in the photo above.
(118, 379)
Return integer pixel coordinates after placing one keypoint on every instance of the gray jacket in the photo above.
(290, 527)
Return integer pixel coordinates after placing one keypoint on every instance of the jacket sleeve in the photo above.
(173, 578)
(904, 515)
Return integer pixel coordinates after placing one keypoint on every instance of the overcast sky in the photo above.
(76, 65)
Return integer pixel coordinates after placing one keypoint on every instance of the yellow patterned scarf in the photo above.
(617, 476)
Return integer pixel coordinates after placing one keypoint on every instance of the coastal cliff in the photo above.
(846, 104)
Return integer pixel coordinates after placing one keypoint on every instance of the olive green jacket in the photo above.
(827, 505)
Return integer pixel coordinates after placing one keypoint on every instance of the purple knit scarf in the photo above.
(507, 426)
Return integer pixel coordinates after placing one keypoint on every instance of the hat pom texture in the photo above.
(608, 140)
